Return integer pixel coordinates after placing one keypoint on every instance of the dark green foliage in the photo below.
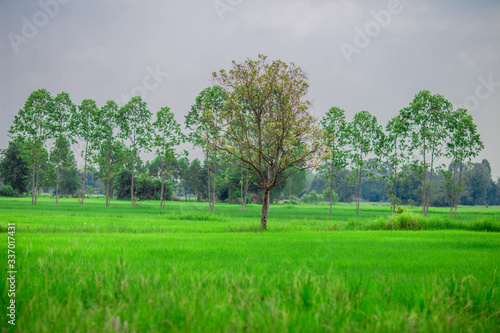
(13, 169)
(8, 191)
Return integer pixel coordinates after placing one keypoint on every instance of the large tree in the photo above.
(364, 137)
(334, 140)
(267, 123)
(167, 136)
(135, 126)
(31, 123)
(59, 125)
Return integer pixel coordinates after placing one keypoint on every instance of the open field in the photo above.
(189, 269)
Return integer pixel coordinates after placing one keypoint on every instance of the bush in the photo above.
(407, 221)
(294, 200)
(8, 191)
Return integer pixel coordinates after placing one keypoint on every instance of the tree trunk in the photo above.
(424, 186)
(208, 182)
(430, 184)
(132, 185)
(265, 204)
(241, 189)
(33, 189)
(453, 190)
(57, 184)
(459, 188)
(107, 189)
(359, 192)
(214, 180)
(331, 189)
(84, 173)
(246, 191)
(37, 188)
(162, 188)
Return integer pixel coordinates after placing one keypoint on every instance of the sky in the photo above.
(358, 55)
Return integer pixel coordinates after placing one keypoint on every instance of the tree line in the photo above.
(257, 134)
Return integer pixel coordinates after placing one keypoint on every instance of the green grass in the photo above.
(189, 269)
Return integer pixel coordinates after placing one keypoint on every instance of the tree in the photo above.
(464, 144)
(134, 121)
(427, 115)
(83, 125)
(364, 137)
(167, 135)
(204, 122)
(13, 169)
(109, 150)
(394, 150)
(266, 123)
(59, 125)
(31, 123)
(334, 139)
(66, 173)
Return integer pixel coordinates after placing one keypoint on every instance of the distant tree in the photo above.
(464, 144)
(109, 151)
(427, 115)
(13, 169)
(204, 122)
(59, 122)
(195, 180)
(266, 123)
(83, 124)
(364, 137)
(167, 136)
(334, 139)
(395, 153)
(63, 157)
(31, 124)
(135, 125)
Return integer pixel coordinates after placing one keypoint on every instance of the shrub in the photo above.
(8, 191)
(294, 200)
(400, 210)
(408, 221)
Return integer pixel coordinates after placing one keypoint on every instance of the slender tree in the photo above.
(395, 150)
(31, 123)
(83, 125)
(108, 149)
(59, 125)
(464, 144)
(266, 123)
(135, 126)
(204, 122)
(427, 116)
(335, 140)
(364, 137)
(167, 136)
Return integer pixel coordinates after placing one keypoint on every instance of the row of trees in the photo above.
(412, 143)
(110, 137)
(255, 118)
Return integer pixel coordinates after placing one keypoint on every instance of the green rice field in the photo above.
(188, 269)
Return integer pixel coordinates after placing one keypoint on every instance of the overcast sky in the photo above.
(359, 55)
